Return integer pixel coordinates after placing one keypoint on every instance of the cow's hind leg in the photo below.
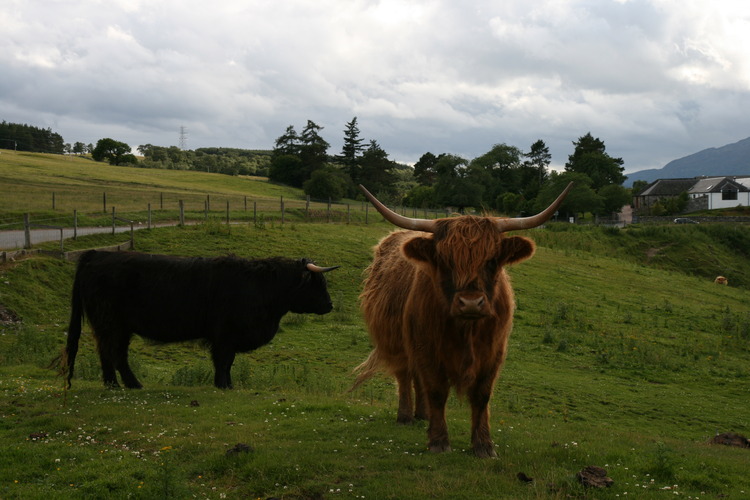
(121, 362)
(405, 413)
(421, 411)
(107, 358)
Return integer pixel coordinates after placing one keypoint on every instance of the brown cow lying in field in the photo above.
(439, 307)
(721, 280)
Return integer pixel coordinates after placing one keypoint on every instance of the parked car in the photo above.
(685, 220)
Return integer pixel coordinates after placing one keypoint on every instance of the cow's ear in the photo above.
(421, 249)
(516, 249)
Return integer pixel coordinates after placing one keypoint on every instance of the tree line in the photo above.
(505, 179)
(28, 138)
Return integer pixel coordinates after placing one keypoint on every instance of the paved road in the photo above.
(14, 240)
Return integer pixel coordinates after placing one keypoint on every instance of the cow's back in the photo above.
(155, 296)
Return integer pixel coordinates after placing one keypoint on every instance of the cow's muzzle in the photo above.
(470, 305)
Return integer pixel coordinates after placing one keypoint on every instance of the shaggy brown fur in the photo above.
(439, 308)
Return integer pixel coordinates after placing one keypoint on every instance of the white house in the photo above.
(721, 192)
(704, 193)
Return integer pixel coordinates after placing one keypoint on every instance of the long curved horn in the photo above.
(425, 225)
(317, 269)
(534, 220)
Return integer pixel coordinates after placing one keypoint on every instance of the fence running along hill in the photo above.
(25, 232)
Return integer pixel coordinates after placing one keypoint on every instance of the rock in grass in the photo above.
(731, 439)
(594, 477)
(239, 448)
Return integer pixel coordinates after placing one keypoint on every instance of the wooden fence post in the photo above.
(149, 216)
(104, 201)
(307, 206)
(53, 200)
(255, 212)
(113, 220)
(328, 213)
(26, 231)
(282, 209)
(227, 212)
(182, 213)
(75, 224)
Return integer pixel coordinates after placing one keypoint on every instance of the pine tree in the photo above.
(352, 150)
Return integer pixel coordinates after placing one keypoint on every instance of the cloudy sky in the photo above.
(654, 79)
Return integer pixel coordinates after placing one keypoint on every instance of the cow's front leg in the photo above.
(405, 413)
(222, 368)
(479, 397)
(437, 433)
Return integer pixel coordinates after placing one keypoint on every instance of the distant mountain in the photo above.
(732, 159)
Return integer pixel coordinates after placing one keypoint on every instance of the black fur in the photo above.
(234, 305)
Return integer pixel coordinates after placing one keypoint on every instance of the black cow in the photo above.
(234, 305)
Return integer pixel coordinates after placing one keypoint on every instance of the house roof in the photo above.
(696, 185)
(717, 185)
(667, 187)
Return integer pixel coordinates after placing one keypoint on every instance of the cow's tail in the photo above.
(367, 369)
(68, 358)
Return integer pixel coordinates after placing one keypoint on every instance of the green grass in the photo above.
(617, 360)
(30, 182)
(611, 364)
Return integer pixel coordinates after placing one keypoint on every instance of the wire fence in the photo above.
(26, 231)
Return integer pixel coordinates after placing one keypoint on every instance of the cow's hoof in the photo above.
(439, 447)
(485, 450)
(404, 419)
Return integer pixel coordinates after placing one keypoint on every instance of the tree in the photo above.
(313, 151)
(581, 198)
(498, 171)
(351, 150)
(454, 186)
(424, 169)
(115, 152)
(287, 169)
(590, 158)
(376, 170)
(614, 197)
(79, 148)
(288, 143)
(327, 182)
(420, 197)
(539, 159)
(286, 165)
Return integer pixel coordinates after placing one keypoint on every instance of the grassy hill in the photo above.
(621, 357)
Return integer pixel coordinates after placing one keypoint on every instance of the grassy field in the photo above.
(50, 187)
(621, 357)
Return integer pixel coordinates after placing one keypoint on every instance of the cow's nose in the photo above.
(471, 305)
